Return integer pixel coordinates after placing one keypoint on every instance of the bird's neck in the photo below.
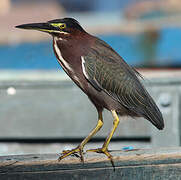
(70, 47)
(68, 53)
(59, 45)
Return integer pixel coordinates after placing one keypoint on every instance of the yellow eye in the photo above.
(62, 26)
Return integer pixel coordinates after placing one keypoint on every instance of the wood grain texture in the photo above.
(157, 164)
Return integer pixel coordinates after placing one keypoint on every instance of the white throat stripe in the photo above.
(62, 60)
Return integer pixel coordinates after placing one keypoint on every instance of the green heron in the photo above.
(101, 73)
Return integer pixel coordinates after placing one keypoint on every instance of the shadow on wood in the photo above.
(139, 164)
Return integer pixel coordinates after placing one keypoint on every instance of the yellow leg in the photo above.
(104, 148)
(82, 144)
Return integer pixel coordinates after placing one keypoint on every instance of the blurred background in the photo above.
(35, 94)
(144, 33)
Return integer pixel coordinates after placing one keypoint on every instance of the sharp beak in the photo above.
(45, 27)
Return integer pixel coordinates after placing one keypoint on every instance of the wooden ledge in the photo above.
(140, 164)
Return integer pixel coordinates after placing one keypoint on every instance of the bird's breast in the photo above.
(64, 63)
(70, 63)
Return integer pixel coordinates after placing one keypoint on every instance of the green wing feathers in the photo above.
(108, 72)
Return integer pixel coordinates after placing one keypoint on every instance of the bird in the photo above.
(102, 74)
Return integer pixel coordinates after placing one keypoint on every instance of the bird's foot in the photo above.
(104, 151)
(74, 151)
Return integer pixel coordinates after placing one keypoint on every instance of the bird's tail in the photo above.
(153, 114)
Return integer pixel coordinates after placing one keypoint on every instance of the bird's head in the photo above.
(57, 27)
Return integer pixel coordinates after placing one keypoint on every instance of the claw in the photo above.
(66, 153)
(104, 151)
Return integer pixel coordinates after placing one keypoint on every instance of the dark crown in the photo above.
(70, 23)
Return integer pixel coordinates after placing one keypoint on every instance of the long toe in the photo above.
(98, 150)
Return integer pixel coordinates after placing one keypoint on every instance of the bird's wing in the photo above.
(108, 72)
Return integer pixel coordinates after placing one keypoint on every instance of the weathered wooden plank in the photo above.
(156, 172)
(157, 164)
